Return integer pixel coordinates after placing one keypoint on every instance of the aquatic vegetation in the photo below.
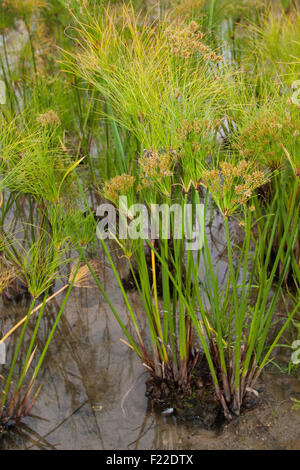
(249, 321)
(117, 186)
(265, 133)
(277, 131)
(82, 279)
(275, 45)
(168, 88)
(233, 185)
(232, 324)
(180, 110)
(19, 404)
(40, 269)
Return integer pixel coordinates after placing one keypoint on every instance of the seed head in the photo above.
(48, 118)
(117, 186)
(185, 42)
(233, 184)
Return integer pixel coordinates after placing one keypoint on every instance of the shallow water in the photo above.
(93, 390)
(93, 386)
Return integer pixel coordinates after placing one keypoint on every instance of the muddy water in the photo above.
(93, 390)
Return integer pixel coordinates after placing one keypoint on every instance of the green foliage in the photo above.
(181, 102)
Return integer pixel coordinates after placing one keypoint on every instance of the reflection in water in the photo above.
(93, 386)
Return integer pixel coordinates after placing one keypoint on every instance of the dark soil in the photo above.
(194, 402)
